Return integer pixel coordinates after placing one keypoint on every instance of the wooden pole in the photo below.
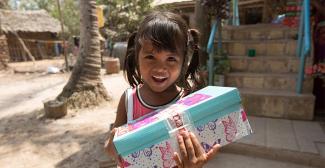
(62, 34)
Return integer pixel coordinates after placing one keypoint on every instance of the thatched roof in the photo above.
(172, 2)
(28, 21)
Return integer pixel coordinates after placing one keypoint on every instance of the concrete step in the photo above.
(259, 32)
(262, 64)
(262, 47)
(273, 81)
(278, 104)
(230, 160)
(299, 142)
(278, 154)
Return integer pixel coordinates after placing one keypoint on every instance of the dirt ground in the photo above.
(28, 140)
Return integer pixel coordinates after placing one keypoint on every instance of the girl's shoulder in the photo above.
(128, 94)
(129, 91)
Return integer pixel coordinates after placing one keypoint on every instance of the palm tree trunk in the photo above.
(85, 87)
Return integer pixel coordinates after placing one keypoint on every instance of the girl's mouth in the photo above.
(159, 79)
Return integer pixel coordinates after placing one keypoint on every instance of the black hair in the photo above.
(166, 31)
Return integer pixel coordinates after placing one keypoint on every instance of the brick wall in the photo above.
(4, 52)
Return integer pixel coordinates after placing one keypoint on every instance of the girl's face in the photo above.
(159, 70)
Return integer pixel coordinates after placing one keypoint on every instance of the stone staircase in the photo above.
(268, 80)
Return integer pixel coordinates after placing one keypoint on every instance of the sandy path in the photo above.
(28, 140)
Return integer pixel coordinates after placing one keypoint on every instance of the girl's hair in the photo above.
(166, 31)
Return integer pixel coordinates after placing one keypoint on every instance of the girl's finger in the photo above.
(212, 152)
(178, 160)
(189, 146)
(197, 147)
(182, 147)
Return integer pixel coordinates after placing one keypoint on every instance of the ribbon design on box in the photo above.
(177, 117)
(178, 120)
(166, 155)
(230, 129)
(196, 98)
(135, 125)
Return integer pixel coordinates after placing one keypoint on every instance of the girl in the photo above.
(161, 65)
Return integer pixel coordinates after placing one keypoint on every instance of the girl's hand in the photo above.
(192, 153)
(110, 148)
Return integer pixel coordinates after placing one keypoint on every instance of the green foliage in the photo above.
(219, 8)
(123, 17)
(69, 8)
(35, 4)
(70, 15)
(221, 63)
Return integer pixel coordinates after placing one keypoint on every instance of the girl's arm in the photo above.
(121, 116)
(120, 119)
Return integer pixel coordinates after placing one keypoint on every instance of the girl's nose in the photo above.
(160, 66)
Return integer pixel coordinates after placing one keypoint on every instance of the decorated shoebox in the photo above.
(214, 114)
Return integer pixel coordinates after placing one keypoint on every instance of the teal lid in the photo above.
(216, 107)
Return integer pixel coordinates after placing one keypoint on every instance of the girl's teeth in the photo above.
(159, 77)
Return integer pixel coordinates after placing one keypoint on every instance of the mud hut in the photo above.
(30, 33)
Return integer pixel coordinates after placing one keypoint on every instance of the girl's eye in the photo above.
(171, 59)
(149, 57)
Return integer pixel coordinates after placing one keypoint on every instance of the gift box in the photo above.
(213, 114)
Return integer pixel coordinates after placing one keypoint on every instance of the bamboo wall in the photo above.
(4, 53)
(40, 45)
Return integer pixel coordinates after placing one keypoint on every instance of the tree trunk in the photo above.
(85, 88)
(202, 23)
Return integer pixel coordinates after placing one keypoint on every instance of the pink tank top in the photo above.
(136, 107)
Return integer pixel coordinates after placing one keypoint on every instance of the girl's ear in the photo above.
(130, 61)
